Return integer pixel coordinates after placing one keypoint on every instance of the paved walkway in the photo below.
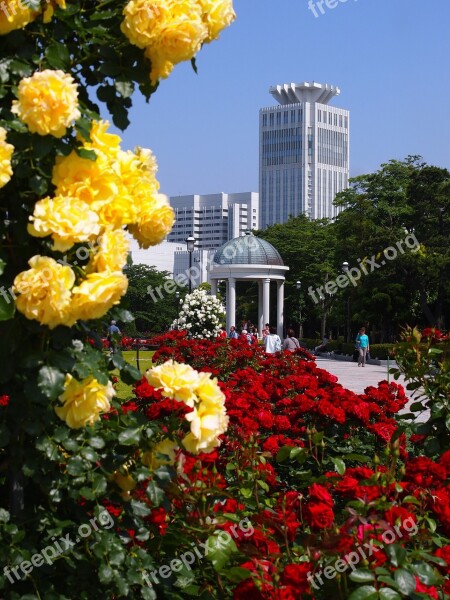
(357, 378)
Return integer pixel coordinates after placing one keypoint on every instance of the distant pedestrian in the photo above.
(291, 343)
(246, 336)
(113, 333)
(233, 333)
(363, 343)
(222, 333)
(266, 330)
(272, 341)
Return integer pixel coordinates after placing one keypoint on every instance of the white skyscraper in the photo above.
(303, 153)
(213, 219)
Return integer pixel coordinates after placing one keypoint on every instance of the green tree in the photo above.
(152, 298)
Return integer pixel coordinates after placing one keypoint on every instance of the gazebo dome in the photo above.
(247, 250)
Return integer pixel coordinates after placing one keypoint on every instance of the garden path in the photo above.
(357, 378)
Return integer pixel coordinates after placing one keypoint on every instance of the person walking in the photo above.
(113, 332)
(291, 343)
(233, 333)
(272, 342)
(363, 343)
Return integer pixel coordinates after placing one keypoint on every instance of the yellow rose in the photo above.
(67, 220)
(83, 401)
(104, 143)
(161, 67)
(15, 15)
(114, 247)
(208, 389)
(124, 481)
(50, 9)
(176, 380)
(181, 36)
(88, 180)
(45, 292)
(6, 151)
(48, 102)
(143, 18)
(97, 294)
(208, 421)
(167, 448)
(217, 14)
(154, 222)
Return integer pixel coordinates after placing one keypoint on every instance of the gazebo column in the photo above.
(261, 322)
(231, 302)
(266, 300)
(280, 308)
(214, 283)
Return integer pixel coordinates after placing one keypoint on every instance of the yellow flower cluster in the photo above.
(200, 392)
(83, 401)
(47, 102)
(172, 31)
(6, 151)
(48, 294)
(94, 200)
(120, 186)
(15, 15)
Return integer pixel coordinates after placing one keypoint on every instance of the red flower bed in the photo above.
(322, 474)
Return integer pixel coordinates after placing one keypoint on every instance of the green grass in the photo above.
(125, 391)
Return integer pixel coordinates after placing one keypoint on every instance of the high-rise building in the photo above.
(213, 219)
(303, 153)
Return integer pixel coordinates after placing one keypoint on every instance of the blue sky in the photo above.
(389, 58)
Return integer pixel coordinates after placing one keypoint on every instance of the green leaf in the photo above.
(362, 576)
(339, 465)
(130, 374)
(38, 184)
(389, 594)
(283, 453)
(2, 266)
(125, 88)
(366, 592)
(51, 382)
(396, 554)
(220, 548)
(88, 154)
(155, 493)
(97, 442)
(405, 581)
(140, 509)
(426, 574)
(57, 56)
(7, 306)
(130, 437)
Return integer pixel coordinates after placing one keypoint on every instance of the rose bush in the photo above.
(200, 315)
(70, 198)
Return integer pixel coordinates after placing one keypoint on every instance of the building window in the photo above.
(264, 120)
(271, 119)
(278, 118)
(292, 116)
(340, 120)
(285, 117)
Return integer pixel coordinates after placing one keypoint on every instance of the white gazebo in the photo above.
(249, 258)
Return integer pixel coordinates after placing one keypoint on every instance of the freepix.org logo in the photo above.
(317, 8)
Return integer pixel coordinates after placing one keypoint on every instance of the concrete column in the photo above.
(231, 302)
(261, 322)
(266, 300)
(214, 283)
(280, 308)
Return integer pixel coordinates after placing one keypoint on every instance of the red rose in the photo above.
(296, 576)
(320, 515)
(4, 400)
(320, 494)
(430, 591)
